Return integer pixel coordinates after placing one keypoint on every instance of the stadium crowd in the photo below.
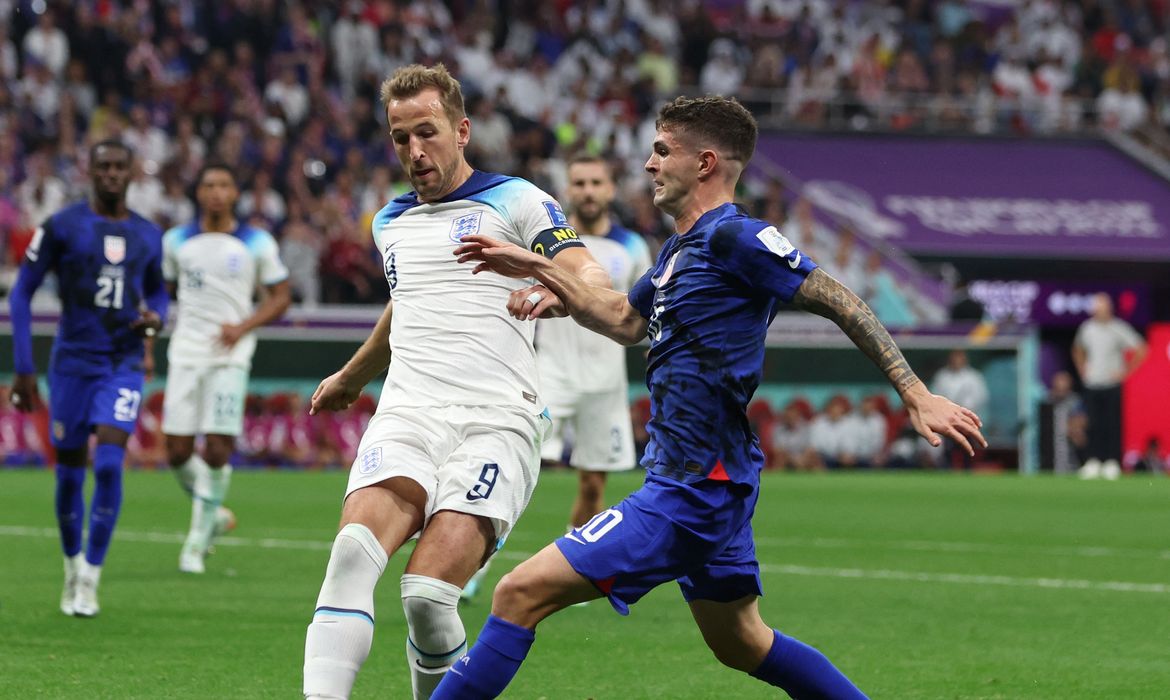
(286, 93)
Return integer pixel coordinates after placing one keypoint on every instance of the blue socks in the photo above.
(70, 502)
(804, 673)
(107, 500)
(490, 665)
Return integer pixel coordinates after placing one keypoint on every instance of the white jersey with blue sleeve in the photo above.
(216, 276)
(452, 339)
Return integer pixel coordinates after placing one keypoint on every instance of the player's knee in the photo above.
(107, 474)
(515, 595)
(592, 485)
(436, 634)
(733, 652)
(179, 452)
(218, 450)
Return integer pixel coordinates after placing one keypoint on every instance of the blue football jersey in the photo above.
(709, 300)
(105, 270)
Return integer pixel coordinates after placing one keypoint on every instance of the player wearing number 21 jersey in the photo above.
(107, 261)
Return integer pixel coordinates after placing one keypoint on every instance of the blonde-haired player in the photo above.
(214, 264)
(452, 453)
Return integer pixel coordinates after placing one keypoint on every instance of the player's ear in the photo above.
(708, 161)
(463, 132)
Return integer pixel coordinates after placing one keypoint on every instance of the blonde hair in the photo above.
(408, 81)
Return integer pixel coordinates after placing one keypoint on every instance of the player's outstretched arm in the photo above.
(340, 389)
(597, 308)
(931, 415)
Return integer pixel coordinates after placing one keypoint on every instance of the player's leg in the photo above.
(534, 590)
(375, 521)
(604, 442)
(182, 408)
(723, 599)
(69, 400)
(740, 639)
(392, 486)
(452, 548)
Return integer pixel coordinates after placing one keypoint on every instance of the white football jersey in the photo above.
(574, 360)
(216, 275)
(451, 337)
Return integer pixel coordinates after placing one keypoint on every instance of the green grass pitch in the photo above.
(918, 586)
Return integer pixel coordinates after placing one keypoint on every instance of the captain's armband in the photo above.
(552, 241)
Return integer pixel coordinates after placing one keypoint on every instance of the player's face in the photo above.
(675, 170)
(427, 144)
(110, 172)
(590, 190)
(217, 192)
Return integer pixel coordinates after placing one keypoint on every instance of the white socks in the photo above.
(191, 473)
(210, 489)
(339, 638)
(435, 635)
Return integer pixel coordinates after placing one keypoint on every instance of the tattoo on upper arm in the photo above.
(825, 296)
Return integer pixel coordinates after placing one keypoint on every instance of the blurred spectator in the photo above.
(883, 295)
(965, 385)
(791, 445)
(263, 201)
(21, 443)
(47, 44)
(964, 307)
(872, 429)
(833, 435)
(301, 250)
(1105, 351)
(1152, 460)
(1068, 424)
(43, 193)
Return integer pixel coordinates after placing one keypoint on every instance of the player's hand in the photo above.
(230, 334)
(148, 324)
(535, 302)
(334, 393)
(25, 395)
(494, 255)
(934, 416)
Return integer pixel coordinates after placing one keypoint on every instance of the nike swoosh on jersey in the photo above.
(794, 262)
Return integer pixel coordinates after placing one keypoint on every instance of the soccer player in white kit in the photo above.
(453, 452)
(214, 264)
(582, 373)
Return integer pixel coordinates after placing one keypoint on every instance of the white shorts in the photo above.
(598, 428)
(481, 460)
(204, 400)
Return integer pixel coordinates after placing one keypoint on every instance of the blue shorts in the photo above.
(698, 534)
(77, 404)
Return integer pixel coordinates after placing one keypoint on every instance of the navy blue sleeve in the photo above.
(641, 295)
(154, 287)
(39, 258)
(759, 255)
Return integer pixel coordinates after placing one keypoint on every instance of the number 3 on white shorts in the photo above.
(599, 524)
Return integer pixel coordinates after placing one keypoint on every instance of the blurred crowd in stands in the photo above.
(286, 93)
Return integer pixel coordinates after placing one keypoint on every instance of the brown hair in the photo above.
(409, 81)
(716, 121)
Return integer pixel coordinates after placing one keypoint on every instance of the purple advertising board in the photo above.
(1064, 304)
(985, 198)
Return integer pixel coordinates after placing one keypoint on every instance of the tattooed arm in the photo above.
(930, 414)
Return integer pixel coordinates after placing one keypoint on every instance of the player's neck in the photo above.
(598, 227)
(109, 210)
(703, 201)
(225, 223)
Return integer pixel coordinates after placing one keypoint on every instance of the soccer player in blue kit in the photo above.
(706, 306)
(108, 263)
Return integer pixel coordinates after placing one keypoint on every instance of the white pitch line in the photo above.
(963, 547)
(786, 569)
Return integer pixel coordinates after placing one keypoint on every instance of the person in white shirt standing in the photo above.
(583, 374)
(1100, 354)
(453, 452)
(214, 264)
(960, 382)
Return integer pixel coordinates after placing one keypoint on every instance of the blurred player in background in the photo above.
(583, 374)
(706, 305)
(214, 264)
(453, 450)
(107, 261)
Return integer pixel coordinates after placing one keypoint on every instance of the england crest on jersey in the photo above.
(115, 249)
(465, 225)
